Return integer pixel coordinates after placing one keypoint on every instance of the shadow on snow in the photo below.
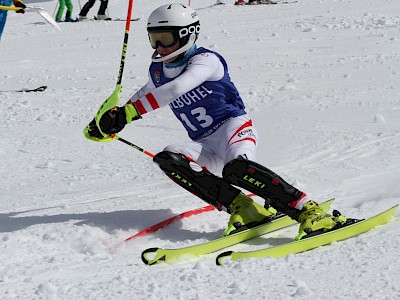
(128, 220)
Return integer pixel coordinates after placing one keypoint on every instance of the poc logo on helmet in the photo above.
(189, 30)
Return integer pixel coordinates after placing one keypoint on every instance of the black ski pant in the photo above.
(89, 5)
(220, 192)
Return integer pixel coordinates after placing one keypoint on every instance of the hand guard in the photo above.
(93, 131)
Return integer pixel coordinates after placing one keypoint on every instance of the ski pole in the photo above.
(114, 99)
(125, 45)
(134, 146)
(5, 7)
(55, 9)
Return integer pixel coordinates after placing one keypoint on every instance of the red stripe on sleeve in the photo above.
(153, 102)
(139, 106)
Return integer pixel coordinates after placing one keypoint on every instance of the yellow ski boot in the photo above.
(313, 218)
(246, 213)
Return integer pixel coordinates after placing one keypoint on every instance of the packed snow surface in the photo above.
(321, 80)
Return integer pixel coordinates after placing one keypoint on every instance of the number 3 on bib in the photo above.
(200, 114)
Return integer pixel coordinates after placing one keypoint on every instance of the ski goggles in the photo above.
(164, 39)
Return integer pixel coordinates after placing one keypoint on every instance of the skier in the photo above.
(3, 12)
(196, 85)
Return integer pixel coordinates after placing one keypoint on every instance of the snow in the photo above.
(321, 80)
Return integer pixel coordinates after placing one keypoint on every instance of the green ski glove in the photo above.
(111, 122)
(131, 112)
(115, 119)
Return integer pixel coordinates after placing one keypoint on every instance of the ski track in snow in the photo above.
(321, 82)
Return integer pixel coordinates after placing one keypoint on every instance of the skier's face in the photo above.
(165, 51)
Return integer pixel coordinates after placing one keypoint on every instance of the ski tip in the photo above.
(221, 256)
(42, 88)
(152, 252)
(27, 90)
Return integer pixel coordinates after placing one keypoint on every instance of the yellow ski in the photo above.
(315, 241)
(152, 256)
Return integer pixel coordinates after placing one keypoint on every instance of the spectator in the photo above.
(101, 14)
(70, 7)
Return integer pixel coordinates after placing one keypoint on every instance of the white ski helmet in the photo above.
(171, 23)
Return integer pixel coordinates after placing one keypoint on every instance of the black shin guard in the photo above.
(264, 183)
(210, 188)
